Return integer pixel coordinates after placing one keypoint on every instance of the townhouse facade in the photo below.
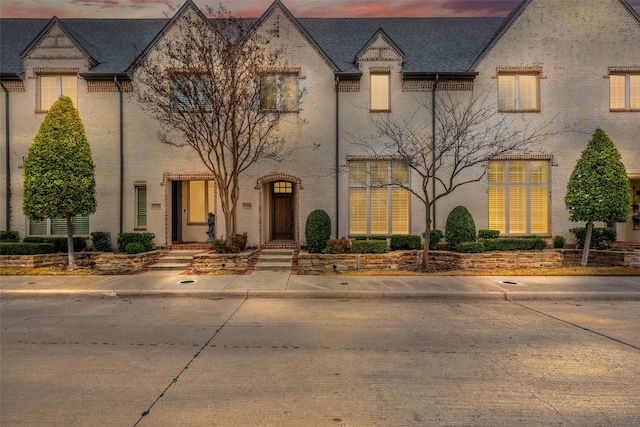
(574, 64)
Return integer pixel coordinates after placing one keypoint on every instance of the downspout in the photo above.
(433, 148)
(115, 80)
(7, 162)
(337, 157)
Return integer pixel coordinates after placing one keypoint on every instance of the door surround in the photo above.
(263, 185)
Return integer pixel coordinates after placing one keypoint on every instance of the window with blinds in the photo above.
(380, 92)
(624, 91)
(58, 227)
(518, 196)
(52, 87)
(518, 92)
(141, 206)
(279, 92)
(377, 204)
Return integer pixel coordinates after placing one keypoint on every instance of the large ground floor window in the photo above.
(58, 227)
(377, 202)
(519, 196)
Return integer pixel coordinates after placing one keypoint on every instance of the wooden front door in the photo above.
(282, 215)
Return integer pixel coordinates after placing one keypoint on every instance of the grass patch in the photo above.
(563, 271)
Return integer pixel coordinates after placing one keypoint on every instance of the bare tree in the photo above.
(467, 133)
(205, 83)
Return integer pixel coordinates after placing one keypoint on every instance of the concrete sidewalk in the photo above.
(282, 285)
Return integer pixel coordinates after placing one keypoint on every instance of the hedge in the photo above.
(9, 236)
(369, 247)
(12, 248)
(405, 242)
(338, 246)
(488, 234)
(435, 236)
(101, 241)
(145, 239)
(529, 243)
(134, 248)
(470, 247)
(370, 238)
(59, 243)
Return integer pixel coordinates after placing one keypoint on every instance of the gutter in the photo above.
(337, 156)
(121, 126)
(7, 162)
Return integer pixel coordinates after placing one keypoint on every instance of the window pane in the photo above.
(211, 196)
(379, 172)
(38, 228)
(141, 197)
(197, 201)
(380, 92)
(496, 173)
(48, 91)
(59, 226)
(506, 92)
(539, 172)
(379, 211)
(399, 173)
(70, 88)
(357, 210)
(497, 209)
(517, 210)
(399, 211)
(80, 225)
(357, 172)
(634, 81)
(289, 92)
(528, 92)
(617, 91)
(539, 210)
(517, 172)
(283, 187)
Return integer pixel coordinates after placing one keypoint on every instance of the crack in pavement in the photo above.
(177, 377)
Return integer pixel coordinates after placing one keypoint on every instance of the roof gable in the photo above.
(57, 41)
(380, 48)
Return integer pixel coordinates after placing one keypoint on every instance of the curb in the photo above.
(362, 295)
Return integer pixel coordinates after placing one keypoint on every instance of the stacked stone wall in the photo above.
(234, 263)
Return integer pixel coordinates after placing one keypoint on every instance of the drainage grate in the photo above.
(186, 282)
(509, 282)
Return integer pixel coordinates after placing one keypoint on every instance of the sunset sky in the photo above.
(255, 8)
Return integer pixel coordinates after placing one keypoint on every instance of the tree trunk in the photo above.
(424, 266)
(72, 255)
(587, 244)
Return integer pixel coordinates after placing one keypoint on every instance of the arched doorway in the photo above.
(283, 214)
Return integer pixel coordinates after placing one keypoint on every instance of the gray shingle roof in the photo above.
(429, 44)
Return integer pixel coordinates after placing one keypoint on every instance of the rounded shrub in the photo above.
(317, 231)
(134, 248)
(558, 242)
(101, 241)
(460, 227)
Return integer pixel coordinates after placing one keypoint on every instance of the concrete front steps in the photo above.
(175, 260)
(275, 260)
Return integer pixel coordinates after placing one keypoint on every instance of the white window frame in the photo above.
(507, 211)
(60, 90)
(380, 96)
(631, 91)
(369, 186)
(514, 102)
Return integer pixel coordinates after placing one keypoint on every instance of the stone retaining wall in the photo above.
(83, 259)
(211, 262)
(573, 258)
(118, 263)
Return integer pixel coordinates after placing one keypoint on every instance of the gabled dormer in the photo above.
(54, 59)
(380, 48)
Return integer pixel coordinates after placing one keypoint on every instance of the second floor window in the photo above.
(191, 92)
(279, 92)
(518, 92)
(52, 87)
(380, 92)
(624, 91)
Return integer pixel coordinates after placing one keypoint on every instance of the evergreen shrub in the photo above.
(459, 227)
(317, 231)
(488, 234)
(101, 241)
(405, 242)
(601, 238)
(13, 248)
(338, 246)
(9, 236)
(145, 239)
(470, 247)
(369, 247)
(134, 248)
(434, 238)
(530, 243)
(59, 243)
(558, 242)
